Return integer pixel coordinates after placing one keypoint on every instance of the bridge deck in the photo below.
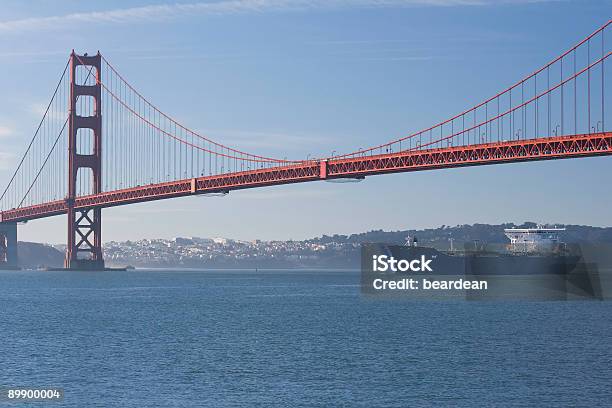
(480, 154)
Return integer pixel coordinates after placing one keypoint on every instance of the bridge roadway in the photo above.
(562, 147)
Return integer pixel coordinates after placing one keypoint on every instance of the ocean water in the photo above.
(291, 338)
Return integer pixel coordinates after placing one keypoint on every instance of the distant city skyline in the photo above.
(317, 76)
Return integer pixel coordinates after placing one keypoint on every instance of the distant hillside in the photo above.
(494, 234)
(337, 251)
(33, 255)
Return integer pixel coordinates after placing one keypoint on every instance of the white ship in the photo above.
(537, 239)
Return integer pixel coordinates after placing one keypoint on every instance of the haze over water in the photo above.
(291, 338)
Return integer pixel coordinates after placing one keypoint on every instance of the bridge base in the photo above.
(84, 264)
(84, 250)
(8, 245)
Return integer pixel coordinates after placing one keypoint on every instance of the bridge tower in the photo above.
(84, 249)
(8, 245)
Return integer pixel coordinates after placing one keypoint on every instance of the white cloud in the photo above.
(38, 109)
(6, 161)
(5, 131)
(18, 54)
(269, 139)
(164, 12)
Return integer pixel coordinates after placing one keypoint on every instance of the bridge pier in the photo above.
(84, 249)
(8, 245)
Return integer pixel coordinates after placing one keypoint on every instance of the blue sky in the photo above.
(293, 78)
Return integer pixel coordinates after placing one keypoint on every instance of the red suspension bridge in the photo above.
(101, 143)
